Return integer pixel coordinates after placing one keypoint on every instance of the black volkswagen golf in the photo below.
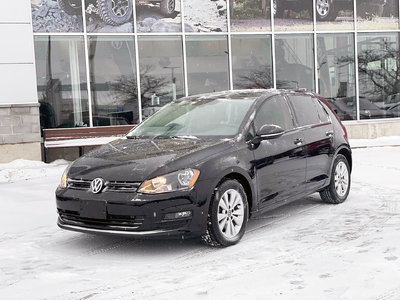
(203, 165)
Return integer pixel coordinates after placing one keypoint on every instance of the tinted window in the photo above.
(323, 115)
(274, 111)
(304, 109)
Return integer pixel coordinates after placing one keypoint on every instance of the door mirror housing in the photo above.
(268, 131)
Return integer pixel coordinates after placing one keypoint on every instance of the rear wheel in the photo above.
(70, 7)
(228, 214)
(115, 12)
(167, 7)
(325, 10)
(338, 189)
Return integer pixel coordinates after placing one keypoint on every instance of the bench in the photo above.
(81, 137)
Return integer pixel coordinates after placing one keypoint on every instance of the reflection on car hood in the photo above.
(138, 160)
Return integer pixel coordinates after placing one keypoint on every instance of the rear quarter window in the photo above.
(322, 113)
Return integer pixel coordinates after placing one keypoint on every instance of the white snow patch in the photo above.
(22, 169)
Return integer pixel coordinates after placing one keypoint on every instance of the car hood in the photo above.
(137, 160)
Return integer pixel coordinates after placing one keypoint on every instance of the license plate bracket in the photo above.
(93, 209)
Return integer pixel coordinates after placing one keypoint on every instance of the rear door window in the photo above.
(274, 111)
(305, 109)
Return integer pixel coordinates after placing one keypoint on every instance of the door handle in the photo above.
(298, 141)
(329, 133)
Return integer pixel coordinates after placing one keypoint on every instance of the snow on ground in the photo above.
(22, 169)
(304, 250)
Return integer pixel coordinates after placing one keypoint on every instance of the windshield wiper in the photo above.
(185, 137)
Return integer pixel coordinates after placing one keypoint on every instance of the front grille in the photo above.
(115, 186)
(115, 222)
(79, 184)
(122, 186)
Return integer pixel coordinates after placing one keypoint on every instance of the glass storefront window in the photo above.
(161, 71)
(336, 72)
(293, 15)
(61, 81)
(158, 16)
(250, 15)
(379, 78)
(207, 64)
(113, 80)
(334, 15)
(295, 61)
(252, 62)
(377, 14)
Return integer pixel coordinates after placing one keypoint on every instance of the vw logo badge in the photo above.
(96, 185)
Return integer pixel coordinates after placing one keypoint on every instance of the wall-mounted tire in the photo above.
(115, 12)
(167, 7)
(70, 7)
(228, 215)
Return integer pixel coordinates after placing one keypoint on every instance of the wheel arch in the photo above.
(244, 179)
(346, 152)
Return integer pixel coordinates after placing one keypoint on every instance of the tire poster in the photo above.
(112, 16)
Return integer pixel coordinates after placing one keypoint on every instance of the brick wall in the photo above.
(19, 123)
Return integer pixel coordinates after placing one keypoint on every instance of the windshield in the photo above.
(196, 118)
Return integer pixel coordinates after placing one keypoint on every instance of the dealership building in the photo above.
(80, 63)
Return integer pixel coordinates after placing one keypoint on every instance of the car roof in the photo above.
(231, 95)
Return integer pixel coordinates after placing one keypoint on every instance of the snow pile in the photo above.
(378, 142)
(22, 169)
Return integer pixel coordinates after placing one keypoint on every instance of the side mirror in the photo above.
(268, 131)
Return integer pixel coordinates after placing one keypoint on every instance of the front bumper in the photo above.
(132, 214)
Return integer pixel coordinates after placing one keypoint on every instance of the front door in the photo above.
(280, 163)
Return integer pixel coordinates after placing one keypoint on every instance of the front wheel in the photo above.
(167, 7)
(115, 12)
(338, 189)
(228, 214)
(325, 10)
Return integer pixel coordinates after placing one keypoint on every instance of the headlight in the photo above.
(64, 178)
(176, 181)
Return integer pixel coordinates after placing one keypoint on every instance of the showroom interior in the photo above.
(75, 66)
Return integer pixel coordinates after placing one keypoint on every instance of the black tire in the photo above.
(167, 7)
(325, 10)
(115, 12)
(70, 7)
(330, 194)
(214, 236)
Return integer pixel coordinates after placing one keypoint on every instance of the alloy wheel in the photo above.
(322, 7)
(230, 213)
(171, 5)
(119, 7)
(341, 179)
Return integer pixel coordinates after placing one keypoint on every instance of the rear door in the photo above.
(318, 132)
(280, 163)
